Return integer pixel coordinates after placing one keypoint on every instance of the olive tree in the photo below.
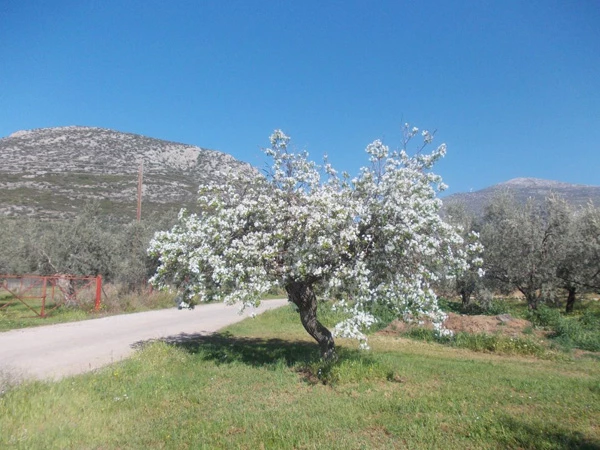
(309, 230)
(578, 259)
(521, 243)
(81, 246)
(540, 248)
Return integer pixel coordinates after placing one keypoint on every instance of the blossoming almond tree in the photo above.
(306, 229)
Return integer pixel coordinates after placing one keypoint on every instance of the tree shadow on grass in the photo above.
(524, 435)
(227, 348)
(302, 356)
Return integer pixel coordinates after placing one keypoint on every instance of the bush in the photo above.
(497, 306)
(117, 300)
(487, 306)
(573, 333)
(544, 316)
(591, 319)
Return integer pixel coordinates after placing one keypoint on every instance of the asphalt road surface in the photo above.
(55, 351)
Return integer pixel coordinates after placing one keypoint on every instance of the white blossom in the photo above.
(377, 238)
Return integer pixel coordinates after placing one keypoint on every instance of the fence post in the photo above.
(98, 292)
(43, 312)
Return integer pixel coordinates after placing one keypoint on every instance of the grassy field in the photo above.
(259, 384)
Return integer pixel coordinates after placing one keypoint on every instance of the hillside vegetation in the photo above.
(52, 172)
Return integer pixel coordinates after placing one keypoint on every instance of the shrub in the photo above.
(497, 306)
(544, 316)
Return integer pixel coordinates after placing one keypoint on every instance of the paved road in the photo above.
(54, 351)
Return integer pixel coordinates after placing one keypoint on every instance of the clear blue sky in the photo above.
(513, 87)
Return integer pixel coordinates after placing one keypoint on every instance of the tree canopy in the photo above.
(304, 228)
(542, 248)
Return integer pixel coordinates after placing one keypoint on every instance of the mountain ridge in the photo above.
(524, 188)
(51, 172)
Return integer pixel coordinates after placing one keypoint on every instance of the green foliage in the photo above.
(500, 344)
(572, 333)
(426, 335)
(581, 332)
(119, 299)
(545, 316)
(566, 332)
(521, 244)
(384, 316)
(590, 319)
(497, 306)
(541, 249)
(91, 244)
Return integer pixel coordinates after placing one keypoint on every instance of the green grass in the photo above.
(580, 330)
(17, 315)
(488, 343)
(257, 385)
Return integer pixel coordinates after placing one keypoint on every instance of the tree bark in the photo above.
(465, 296)
(302, 295)
(531, 297)
(571, 299)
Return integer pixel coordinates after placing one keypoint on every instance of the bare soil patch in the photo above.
(503, 324)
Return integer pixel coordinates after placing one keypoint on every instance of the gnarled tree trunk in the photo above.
(571, 299)
(302, 295)
(531, 296)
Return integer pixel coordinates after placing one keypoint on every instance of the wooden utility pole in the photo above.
(139, 192)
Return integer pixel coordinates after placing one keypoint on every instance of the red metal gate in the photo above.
(43, 294)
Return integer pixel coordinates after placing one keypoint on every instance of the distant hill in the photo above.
(523, 189)
(52, 172)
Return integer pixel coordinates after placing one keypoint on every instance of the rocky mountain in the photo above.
(523, 189)
(51, 172)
